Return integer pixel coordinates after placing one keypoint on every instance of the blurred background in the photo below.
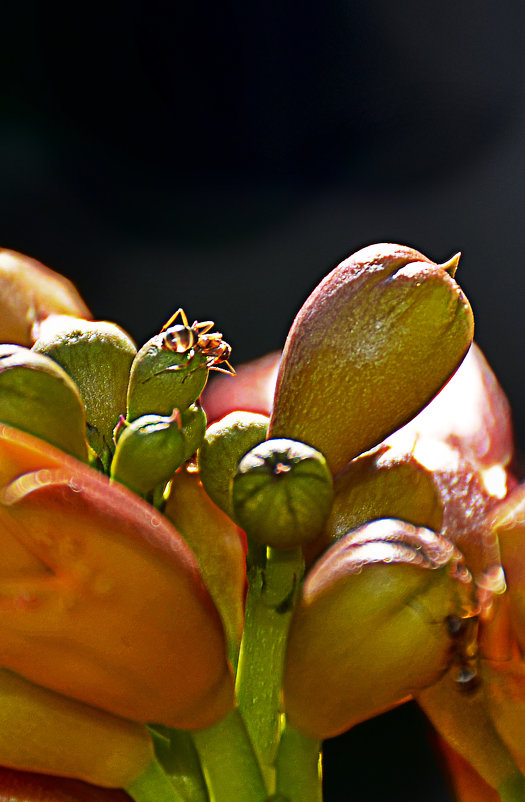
(224, 156)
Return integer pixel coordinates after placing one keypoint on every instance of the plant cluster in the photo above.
(200, 583)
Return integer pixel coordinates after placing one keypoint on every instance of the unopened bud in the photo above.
(384, 483)
(44, 731)
(225, 444)
(98, 356)
(374, 342)
(149, 450)
(371, 627)
(163, 379)
(37, 396)
(282, 493)
(30, 292)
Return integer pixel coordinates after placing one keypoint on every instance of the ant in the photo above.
(184, 338)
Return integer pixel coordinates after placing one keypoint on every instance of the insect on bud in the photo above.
(225, 444)
(37, 396)
(171, 369)
(149, 450)
(282, 493)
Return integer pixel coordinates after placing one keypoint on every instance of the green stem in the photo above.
(298, 766)
(512, 789)
(228, 761)
(154, 785)
(177, 754)
(271, 597)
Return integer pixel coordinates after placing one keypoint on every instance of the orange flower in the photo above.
(100, 598)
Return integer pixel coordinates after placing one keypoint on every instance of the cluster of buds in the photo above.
(188, 610)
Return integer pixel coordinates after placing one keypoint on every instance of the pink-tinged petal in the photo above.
(115, 613)
(250, 390)
(466, 501)
(507, 522)
(471, 412)
(21, 786)
(466, 783)
(30, 292)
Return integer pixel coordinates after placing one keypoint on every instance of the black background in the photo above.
(224, 156)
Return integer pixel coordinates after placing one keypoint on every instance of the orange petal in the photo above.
(29, 292)
(116, 610)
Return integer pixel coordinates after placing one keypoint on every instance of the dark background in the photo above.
(223, 156)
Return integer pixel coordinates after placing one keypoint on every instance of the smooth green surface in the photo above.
(225, 444)
(298, 767)
(38, 397)
(98, 356)
(229, 763)
(269, 607)
(154, 785)
(162, 380)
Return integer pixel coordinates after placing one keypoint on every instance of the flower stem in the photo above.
(228, 761)
(271, 597)
(154, 785)
(298, 766)
(177, 754)
(512, 789)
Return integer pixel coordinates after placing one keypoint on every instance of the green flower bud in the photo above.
(149, 451)
(371, 627)
(375, 341)
(193, 423)
(98, 356)
(384, 483)
(282, 493)
(225, 444)
(162, 379)
(37, 396)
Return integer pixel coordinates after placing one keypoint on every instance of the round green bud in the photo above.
(37, 396)
(193, 423)
(162, 380)
(98, 356)
(225, 444)
(282, 493)
(149, 451)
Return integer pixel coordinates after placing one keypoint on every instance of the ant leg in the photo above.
(180, 311)
(204, 327)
